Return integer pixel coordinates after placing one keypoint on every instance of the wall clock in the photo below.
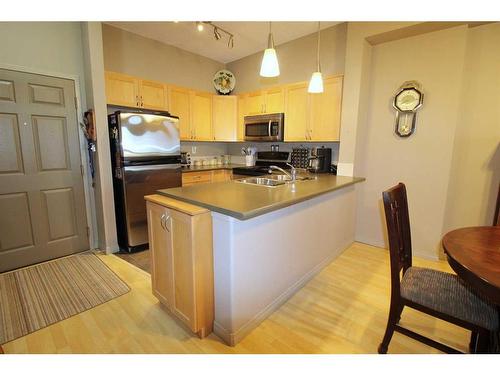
(224, 82)
(408, 99)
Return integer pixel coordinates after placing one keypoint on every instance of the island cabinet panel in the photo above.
(179, 105)
(182, 261)
(201, 116)
(161, 257)
(297, 113)
(225, 117)
(325, 111)
(122, 90)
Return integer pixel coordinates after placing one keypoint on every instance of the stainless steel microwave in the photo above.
(265, 128)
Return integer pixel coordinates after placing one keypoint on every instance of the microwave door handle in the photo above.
(269, 128)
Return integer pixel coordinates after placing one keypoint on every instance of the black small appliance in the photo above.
(320, 160)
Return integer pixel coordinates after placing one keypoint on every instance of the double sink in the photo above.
(272, 180)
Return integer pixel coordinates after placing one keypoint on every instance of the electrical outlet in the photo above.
(193, 150)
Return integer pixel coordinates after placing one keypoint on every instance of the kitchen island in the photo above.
(269, 241)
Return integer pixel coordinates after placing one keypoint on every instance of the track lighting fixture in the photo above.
(217, 32)
(217, 35)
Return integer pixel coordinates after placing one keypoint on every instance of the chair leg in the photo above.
(394, 316)
(482, 342)
(473, 342)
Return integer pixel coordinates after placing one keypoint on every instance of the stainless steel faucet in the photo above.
(292, 174)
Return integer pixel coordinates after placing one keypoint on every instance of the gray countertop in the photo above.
(244, 201)
(210, 167)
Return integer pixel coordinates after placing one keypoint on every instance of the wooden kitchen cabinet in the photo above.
(224, 117)
(203, 177)
(153, 95)
(274, 100)
(313, 117)
(180, 238)
(325, 111)
(125, 90)
(297, 114)
(121, 89)
(201, 116)
(264, 101)
(179, 105)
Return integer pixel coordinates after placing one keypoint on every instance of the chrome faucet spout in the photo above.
(292, 174)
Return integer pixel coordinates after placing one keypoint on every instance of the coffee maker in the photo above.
(320, 160)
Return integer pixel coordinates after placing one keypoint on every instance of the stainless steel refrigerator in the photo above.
(145, 157)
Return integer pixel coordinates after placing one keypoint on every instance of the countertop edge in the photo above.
(266, 209)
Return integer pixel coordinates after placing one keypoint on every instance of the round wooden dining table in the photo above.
(474, 254)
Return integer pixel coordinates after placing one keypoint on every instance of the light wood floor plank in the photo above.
(342, 310)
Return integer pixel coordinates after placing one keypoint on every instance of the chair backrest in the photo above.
(496, 219)
(398, 230)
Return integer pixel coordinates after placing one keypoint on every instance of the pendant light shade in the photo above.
(316, 82)
(270, 66)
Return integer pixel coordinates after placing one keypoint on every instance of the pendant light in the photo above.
(316, 82)
(270, 66)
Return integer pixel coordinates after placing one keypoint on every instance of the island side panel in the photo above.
(261, 262)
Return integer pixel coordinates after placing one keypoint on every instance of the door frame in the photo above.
(90, 208)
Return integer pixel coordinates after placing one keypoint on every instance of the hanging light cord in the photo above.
(317, 58)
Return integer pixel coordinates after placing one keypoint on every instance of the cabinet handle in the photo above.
(166, 226)
(162, 218)
(137, 100)
(142, 103)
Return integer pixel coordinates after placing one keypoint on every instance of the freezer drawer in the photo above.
(139, 181)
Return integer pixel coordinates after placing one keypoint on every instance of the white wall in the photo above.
(423, 160)
(52, 48)
(451, 165)
(297, 60)
(132, 54)
(475, 169)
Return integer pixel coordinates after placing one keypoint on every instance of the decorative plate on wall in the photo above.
(224, 82)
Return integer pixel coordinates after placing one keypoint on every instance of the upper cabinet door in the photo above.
(179, 106)
(225, 117)
(152, 95)
(325, 111)
(201, 118)
(122, 90)
(297, 113)
(241, 117)
(275, 100)
(254, 103)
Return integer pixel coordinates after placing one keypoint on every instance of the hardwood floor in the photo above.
(141, 259)
(342, 310)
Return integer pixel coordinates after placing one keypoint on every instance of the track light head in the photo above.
(217, 35)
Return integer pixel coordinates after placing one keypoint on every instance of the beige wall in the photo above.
(451, 165)
(475, 169)
(297, 60)
(423, 160)
(133, 54)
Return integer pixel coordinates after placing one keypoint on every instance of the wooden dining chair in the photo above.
(496, 218)
(440, 294)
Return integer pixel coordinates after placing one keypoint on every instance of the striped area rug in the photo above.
(34, 297)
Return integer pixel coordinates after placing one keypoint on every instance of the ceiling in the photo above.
(249, 37)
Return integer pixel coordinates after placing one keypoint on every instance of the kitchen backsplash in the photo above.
(234, 149)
